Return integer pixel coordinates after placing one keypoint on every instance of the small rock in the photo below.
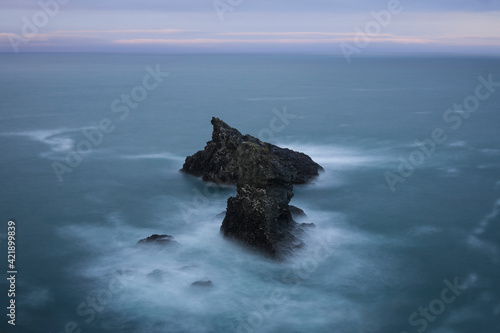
(157, 275)
(221, 215)
(296, 212)
(202, 283)
(188, 268)
(158, 239)
(124, 271)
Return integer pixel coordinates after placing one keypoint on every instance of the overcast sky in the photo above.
(331, 26)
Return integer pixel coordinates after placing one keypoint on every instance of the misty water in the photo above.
(407, 207)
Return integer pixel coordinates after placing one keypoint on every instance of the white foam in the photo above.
(33, 116)
(290, 98)
(243, 281)
(474, 240)
(493, 152)
(57, 139)
(36, 297)
(485, 222)
(489, 166)
(425, 230)
(339, 156)
(452, 172)
(458, 144)
(161, 156)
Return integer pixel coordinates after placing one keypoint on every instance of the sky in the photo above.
(205, 26)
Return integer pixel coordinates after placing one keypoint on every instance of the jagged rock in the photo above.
(158, 240)
(221, 215)
(296, 212)
(259, 216)
(124, 271)
(157, 275)
(202, 283)
(217, 162)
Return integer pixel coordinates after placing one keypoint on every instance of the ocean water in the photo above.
(407, 212)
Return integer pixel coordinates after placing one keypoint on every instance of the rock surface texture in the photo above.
(264, 174)
(218, 161)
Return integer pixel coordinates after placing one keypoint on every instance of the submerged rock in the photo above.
(259, 216)
(297, 212)
(221, 215)
(158, 240)
(202, 283)
(217, 162)
(157, 275)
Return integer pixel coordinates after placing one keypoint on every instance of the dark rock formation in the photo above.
(189, 268)
(221, 215)
(202, 283)
(157, 275)
(259, 216)
(158, 240)
(217, 162)
(297, 212)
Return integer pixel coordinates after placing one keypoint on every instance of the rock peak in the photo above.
(217, 162)
(264, 174)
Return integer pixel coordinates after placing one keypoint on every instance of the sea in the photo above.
(407, 211)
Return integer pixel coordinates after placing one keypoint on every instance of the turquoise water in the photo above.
(377, 255)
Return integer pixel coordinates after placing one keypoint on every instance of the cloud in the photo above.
(257, 24)
(136, 31)
(333, 6)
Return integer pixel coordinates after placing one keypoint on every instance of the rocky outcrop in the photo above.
(157, 275)
(259, 216)
(297, 213)
(202, 283)
(217, 162)
(158, 240)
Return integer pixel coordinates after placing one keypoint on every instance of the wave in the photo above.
(156, 281)
(59, 140)
(485, 222)
(37, 297)
(341, 156)
(493, 152)
(458, 144)
(162, 156)
(475, 238)
(259, 99)
(34, 116)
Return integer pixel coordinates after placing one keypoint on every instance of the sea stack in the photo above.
(264, 174)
